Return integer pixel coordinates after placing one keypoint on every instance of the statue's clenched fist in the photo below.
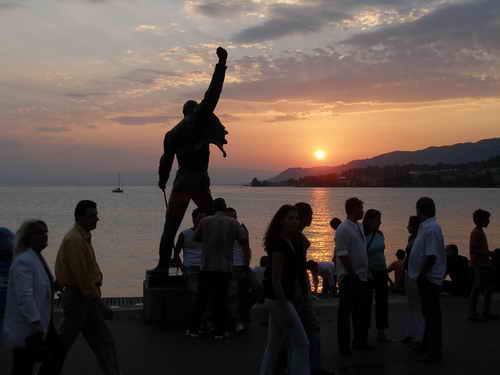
(221, 54)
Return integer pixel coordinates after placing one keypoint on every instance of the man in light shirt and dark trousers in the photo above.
(427, 265)
(352, 271)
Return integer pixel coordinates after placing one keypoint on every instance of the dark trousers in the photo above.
(212, 283)
(23, 362)
(353, 306)
(82, 314)
(177, 205)
(431, 310)
(380, 287)
(239, 297)
(305, 310)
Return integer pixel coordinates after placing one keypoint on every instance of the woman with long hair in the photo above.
(415, 321)
(379, 283)
(28, 325)
(281, 280)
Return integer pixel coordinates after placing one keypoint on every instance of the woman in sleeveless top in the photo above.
(280, 282)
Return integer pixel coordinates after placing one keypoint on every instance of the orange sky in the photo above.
(93, 86)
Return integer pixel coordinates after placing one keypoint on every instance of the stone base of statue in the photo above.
(165, 299)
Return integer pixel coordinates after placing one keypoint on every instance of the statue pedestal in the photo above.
(165, 299)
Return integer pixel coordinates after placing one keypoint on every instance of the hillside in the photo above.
(453, 154)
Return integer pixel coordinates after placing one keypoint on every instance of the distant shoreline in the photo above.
(379, 187)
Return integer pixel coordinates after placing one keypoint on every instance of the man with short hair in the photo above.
(352, 272)
(79, 274)
(217, 234)
(483, 268)
(427, 265)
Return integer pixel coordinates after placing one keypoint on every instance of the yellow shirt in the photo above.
(76, 265)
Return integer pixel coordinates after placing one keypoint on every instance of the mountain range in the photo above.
(452, 154)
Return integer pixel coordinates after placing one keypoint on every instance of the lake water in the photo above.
(126, 239)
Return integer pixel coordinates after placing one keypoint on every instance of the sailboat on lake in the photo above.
(119, 188)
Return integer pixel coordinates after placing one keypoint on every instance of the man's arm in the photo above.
(177, 250)
(166, 161)
(429, 261)
(198, 233)
(212, 95)
(244, 241)
(342, 245)
(431, 251)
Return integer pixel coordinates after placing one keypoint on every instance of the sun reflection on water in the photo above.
(319, 233)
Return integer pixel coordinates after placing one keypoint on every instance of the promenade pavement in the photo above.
(469, 348)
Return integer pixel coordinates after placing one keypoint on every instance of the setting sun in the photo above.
(319, 154)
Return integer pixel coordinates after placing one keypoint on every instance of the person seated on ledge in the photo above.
(398, 286)
(325, 270)
(457, 268)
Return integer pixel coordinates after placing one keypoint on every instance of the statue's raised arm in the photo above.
(212, 95)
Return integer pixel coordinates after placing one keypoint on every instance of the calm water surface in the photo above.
(126, 240)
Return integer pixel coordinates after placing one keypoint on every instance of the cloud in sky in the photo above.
(285, 118)
(52, 129)
(472, 24)
(289, 19)
(284, 19)
(222, 8)
(143, 120)
(11, 4)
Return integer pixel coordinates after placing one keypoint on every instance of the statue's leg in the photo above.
(177, 206)
(203, 200)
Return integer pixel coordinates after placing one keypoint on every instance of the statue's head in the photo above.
(189, 107)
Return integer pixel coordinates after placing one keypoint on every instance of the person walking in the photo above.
(80, 276)
(28, 325)
(281, 281)
(427, 266)
(303, 298)
(352, 271)
(379, 277)
(483, 268)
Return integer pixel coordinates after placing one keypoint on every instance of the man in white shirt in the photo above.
(217, 234)
(427, 265)
(352, 272)
(191, 256)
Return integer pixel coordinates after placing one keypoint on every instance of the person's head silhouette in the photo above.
(189, 107)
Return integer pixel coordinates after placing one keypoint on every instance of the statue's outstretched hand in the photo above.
(222, 54)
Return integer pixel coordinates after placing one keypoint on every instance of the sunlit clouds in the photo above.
(356, 77)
